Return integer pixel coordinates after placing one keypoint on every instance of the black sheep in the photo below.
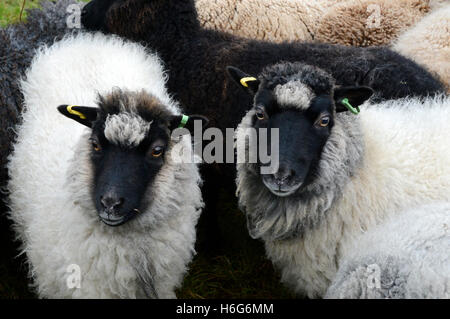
(197, 59)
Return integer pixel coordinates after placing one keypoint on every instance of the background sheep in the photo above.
(340, 22)
(428, 43)
(339, 174)
(122, 170)
(174, 32)
(369, 22)
(404, 257)
(271, 20)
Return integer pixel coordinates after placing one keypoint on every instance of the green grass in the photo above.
(239, 271)
(10, 10)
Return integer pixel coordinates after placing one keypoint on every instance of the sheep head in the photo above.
(301, 101)
(131, 135)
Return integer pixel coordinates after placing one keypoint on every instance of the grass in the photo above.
(239, 271)
(10, 10)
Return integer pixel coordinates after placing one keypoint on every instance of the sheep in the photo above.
(174, 32)
(428, 43)
(106, 211)
(339, 174)
(404, 257)
(171, 27)
(346, 22)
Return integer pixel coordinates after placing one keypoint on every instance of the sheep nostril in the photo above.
(111, 203)
(283, 176)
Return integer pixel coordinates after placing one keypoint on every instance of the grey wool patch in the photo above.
(294, 94)
(126, 129)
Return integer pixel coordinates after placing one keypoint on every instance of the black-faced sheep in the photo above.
(69, 184)
(339, 174)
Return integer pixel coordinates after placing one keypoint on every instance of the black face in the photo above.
(125, 170)
(122, 175)
(302, 136)
(303, 129)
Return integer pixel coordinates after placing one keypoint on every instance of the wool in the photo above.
(369, 22)
(52, 177)
(271, 20)
(371, 168)
(428, 43)
(340, 22)
(19, 42)
(408, 253)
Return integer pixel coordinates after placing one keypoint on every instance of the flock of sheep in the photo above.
(94, 120)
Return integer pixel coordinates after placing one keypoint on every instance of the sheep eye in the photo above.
(260, 115)
(96, 146)
(324, 121)
(157, 151)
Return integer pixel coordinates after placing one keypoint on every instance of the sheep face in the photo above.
(131, 134)
(301, 102)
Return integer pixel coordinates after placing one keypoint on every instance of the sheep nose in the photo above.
(283, 175)
(111, 202)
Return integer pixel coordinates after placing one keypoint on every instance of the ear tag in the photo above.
(79, 114)
(183, 121)
(346, 103)
(247, 79)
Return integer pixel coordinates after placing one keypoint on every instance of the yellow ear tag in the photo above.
(80, 115)
(248, 79)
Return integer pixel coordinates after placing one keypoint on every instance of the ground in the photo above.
(239, 271)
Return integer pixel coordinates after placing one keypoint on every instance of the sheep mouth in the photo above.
(115, 221)
(281, 192)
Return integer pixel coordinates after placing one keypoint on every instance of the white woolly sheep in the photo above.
(70, 183)
(340, 22)
(428, 43)
(339, 174)
(406, 256)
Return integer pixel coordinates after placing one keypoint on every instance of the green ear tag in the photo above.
(183, 121)
(346, 103)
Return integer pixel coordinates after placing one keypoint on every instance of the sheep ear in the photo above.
(349, 98)
(246, 81)
(187, 123)
(82, 114)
